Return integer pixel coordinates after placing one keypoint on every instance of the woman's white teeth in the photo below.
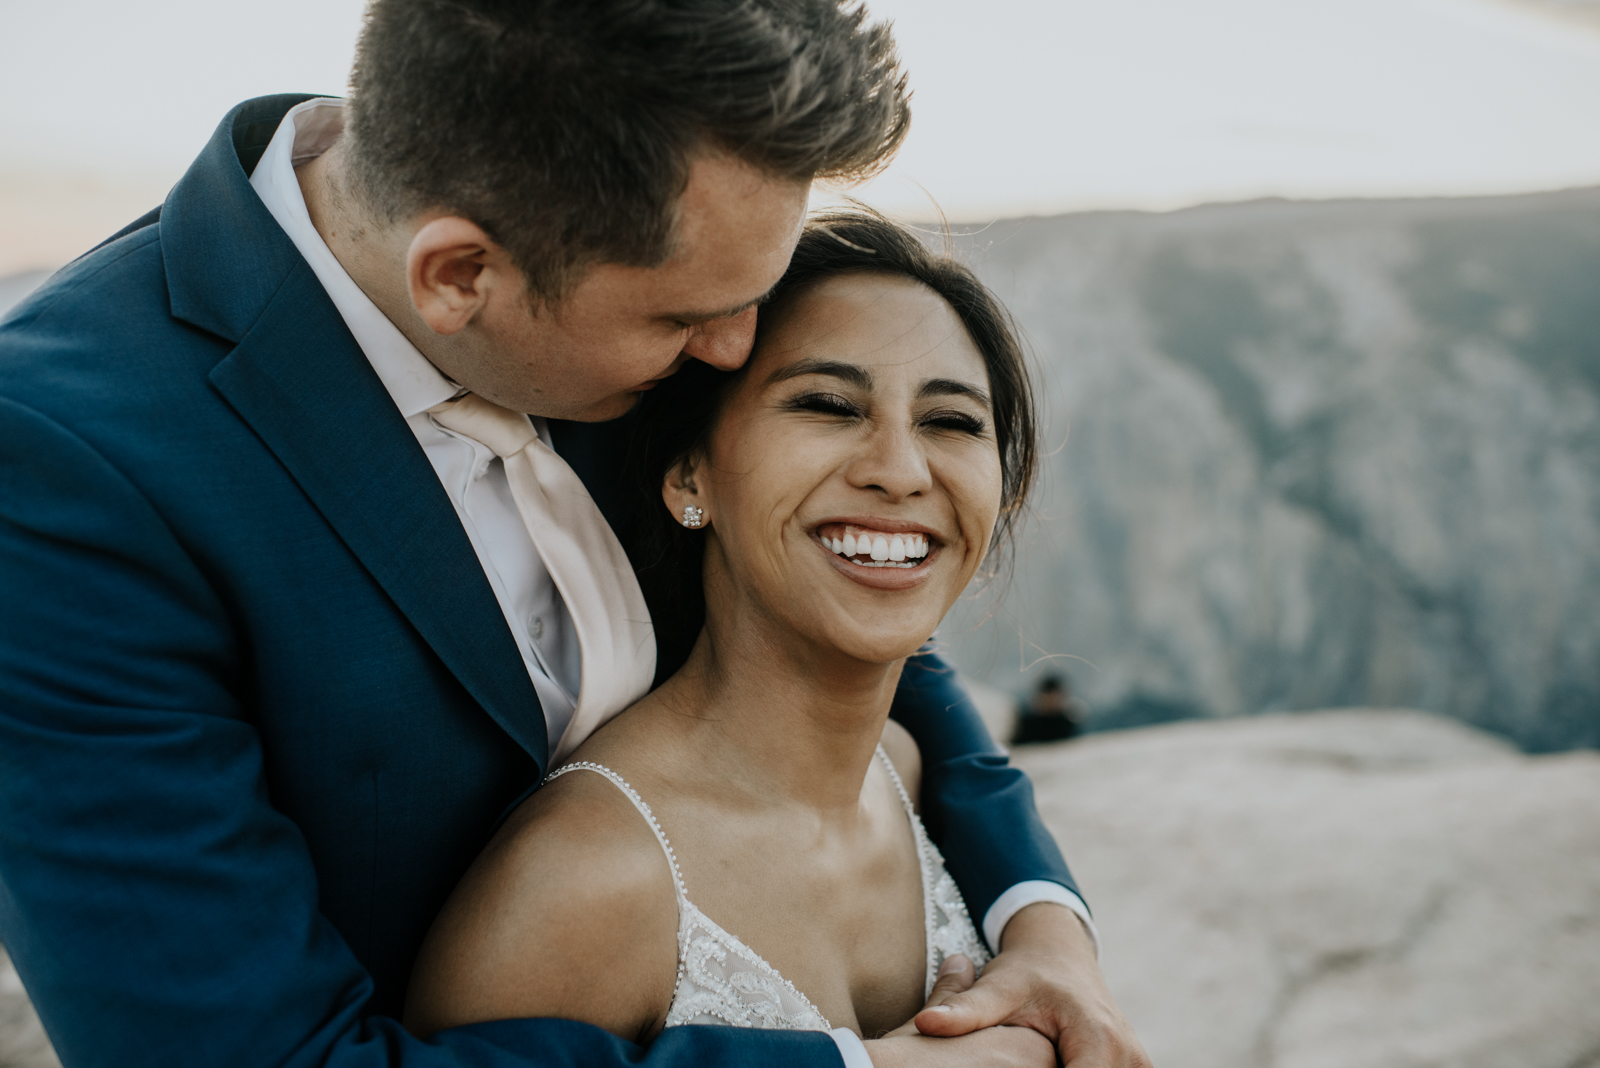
(885, 550)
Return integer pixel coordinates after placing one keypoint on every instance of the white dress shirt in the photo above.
(475, 480)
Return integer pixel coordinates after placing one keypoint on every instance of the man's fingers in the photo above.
(960, 1007)
(955, 975)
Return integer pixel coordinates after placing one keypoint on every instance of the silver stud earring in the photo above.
(692, 516)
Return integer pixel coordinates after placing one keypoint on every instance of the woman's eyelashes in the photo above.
(825, 404)
(950, 419)
(833, 404)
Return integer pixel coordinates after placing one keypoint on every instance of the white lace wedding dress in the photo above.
(723, 981)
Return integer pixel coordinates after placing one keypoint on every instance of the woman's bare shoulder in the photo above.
(570, 911)
(904, 755)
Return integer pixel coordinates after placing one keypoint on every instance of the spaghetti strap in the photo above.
(899, 787)
(638, 803)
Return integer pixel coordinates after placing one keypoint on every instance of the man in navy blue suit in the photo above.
(276, 652)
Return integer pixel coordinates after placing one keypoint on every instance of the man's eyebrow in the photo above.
(724, 313)
(949, 387)
(849, 372)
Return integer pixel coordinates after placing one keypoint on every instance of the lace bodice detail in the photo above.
(723, 981)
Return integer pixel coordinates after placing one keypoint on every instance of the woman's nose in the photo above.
(893, 463)
(724, 343)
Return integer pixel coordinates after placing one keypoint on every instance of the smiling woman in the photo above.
(830, 501)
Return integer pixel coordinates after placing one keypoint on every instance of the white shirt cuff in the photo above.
(850, 1048)
(1027, 893)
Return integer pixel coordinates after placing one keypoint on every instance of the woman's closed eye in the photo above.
(953, 419)
(842, 407)
(825, 404)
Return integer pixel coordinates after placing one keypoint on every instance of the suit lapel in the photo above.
(297, 377)
(303, 385)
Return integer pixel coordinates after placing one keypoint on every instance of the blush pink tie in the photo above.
(616, 641)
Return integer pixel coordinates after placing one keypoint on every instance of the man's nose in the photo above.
(724, 343)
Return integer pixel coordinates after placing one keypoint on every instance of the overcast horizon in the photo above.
(1030, 108)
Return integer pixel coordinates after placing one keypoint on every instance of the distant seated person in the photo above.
(1051, 714)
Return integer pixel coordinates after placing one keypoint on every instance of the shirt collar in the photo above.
(307, 131)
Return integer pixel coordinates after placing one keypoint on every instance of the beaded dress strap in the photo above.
(899, 787)
(925, 869)
(639, 803)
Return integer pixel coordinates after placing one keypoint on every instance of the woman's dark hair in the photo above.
(566, 128)
(674, 421)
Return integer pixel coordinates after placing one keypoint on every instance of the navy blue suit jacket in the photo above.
(259, 708)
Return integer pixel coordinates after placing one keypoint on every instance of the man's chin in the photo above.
(613, 407)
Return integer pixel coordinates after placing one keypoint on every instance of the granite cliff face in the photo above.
(1320, 455)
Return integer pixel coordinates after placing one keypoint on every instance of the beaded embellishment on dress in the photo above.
(723, 981)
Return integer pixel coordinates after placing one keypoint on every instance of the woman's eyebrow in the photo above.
(949, 387)
(849, 372)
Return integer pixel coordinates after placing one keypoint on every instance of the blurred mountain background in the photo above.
(1309, 455)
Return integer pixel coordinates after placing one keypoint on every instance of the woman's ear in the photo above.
(680, 490)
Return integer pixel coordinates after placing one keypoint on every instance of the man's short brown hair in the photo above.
(566, 128)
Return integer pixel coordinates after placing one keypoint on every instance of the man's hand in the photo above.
(994, 1047)
(1046, 978)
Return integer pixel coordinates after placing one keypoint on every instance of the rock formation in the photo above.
(1383, 889)
(1321, 455)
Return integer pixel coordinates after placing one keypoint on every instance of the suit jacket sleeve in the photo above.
(160, 910)
(978, 809)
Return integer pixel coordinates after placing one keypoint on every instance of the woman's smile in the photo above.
(882, 554)
(876, 544)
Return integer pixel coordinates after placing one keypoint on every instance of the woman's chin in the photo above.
(882, 648)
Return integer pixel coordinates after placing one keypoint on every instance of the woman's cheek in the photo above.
(974, 488)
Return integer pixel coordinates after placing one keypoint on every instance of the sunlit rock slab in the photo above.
(1374, 888)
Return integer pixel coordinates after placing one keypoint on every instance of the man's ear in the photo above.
(452, 268)
(680, 491)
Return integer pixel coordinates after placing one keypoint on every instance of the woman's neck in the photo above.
(780, 720)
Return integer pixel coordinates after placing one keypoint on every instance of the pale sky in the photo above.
(1021, 106)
